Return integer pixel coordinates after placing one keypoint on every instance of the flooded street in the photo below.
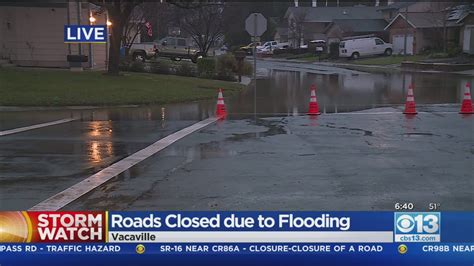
(279, 93)
(36, 164)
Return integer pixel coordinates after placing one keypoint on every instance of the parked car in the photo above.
(177, 48)
(317, 46)
(143, 51)
(269, 46)
(221, 50)
(265, 50)
(249, 48)
(354, 48)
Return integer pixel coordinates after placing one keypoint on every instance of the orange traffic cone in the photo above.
(313, 102)
(466, 107)
(410, 108)
(220, 107)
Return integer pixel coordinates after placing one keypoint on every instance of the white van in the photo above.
(355, 48)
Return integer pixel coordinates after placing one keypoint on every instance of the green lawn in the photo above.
(34, 87)
(310, 57)
(387, 60)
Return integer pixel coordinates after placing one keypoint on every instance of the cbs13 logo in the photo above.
(417, 222)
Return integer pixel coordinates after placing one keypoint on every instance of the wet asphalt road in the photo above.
(334, 162)
(283, 162)
(39, 163)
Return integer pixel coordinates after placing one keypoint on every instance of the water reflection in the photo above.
(287, 92)
(281, 93)
(100, 144)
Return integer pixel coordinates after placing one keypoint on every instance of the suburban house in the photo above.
(392, 10)
(312, 23)
(423, 30)
(342, 28)
(32, 34)
(423, 25)
(281, 34)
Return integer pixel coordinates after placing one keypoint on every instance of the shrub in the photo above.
(247, 68)
(186, 69)
(226, 62)
(137, 67)
(160, 67)
(125, 62)
(226, 67)
(206, 67)
(453, 49)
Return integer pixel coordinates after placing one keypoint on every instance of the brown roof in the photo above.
(424, 20)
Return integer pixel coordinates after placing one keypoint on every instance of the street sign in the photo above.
(256, 24)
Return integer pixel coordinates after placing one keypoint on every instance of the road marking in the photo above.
(72, 193)
(22, 129)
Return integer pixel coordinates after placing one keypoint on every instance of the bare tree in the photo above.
(139, 20)
(296, 26)
(438, 20)
(204, 24)
(118, 12)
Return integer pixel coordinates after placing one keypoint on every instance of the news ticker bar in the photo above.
(235, 227)
(461, 249)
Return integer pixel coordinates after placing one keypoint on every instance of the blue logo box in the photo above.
(85, 33)
(417, 226)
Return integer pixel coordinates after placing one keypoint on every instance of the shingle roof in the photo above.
(328, 14)
(424, 20)
(360, 25)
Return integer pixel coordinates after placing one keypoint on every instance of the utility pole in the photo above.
(255, 67)
(406, 32)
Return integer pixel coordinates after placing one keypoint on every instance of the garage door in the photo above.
(399, 44)
(468, 42)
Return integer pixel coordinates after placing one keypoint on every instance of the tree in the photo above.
(296, 27)
(142, 16)
(118, 12)
(204, 24)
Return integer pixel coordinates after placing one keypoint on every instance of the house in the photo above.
(32, 33)
(311, 23)
(341, 28)
(421, 31)
(281, 34)
(391, 11)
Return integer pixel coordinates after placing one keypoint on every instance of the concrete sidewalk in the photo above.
(366, 160)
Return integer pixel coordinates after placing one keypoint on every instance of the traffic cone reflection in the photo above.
(221, 111)
(466, 107)
(313, 102)
(410, 108)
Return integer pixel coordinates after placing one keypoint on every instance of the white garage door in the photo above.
(399, 44)
(468, 44)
